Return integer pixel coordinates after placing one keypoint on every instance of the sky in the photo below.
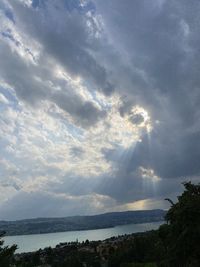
(99, 105)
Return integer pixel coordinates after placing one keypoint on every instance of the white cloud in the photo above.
(3, 99)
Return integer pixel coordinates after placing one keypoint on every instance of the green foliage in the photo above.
(6, 253)
(72, 262)
(143, 248)
(181, 236)
(175, 244)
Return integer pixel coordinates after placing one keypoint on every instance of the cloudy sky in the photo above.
(99, 105)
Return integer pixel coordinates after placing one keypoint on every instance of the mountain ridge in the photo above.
(80, 222)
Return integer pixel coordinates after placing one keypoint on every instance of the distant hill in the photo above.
(106, 220)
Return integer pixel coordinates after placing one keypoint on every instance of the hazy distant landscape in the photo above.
(51, 225)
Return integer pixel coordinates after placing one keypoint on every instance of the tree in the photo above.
(181, 235)
(6, 253)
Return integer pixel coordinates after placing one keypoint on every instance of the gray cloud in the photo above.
(84, 113)
(174, 160)
(69, 42)
(77, 152)
(61, 205)
(147, 54)
(158, 46)
(14, 71)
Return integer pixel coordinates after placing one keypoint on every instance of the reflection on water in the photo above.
(28, 243)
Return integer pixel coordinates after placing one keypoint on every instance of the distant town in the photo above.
(85, 254)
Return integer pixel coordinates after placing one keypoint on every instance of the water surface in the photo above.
(27, 243)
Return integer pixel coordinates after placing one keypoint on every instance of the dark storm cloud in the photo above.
(174, 159)
(162, 41)
(14, 70)
(69, 42)
(136, 118)
(158, 45)
(177, 157)
(84, 113)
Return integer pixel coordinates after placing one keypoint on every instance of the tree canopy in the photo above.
(181, 234)
(6, 253)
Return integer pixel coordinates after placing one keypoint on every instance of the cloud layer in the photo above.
(99, 105)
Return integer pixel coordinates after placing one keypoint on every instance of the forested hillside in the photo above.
(49, 225)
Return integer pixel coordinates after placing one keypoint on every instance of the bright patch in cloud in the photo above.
(148, 174)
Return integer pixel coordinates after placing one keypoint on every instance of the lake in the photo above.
(27, 243)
